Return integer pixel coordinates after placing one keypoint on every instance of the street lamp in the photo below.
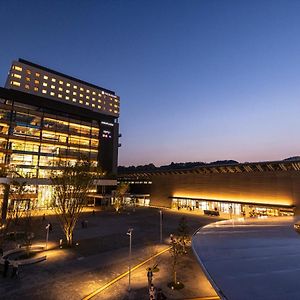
(47, 235)
(160, 225)
(129, 232)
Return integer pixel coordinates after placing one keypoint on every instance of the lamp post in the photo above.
(47, 235)
(129, 232)
(160, 225)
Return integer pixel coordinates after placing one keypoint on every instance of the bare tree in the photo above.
(122, 189)
(70, 191)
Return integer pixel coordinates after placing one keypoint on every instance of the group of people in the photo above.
(154, 294)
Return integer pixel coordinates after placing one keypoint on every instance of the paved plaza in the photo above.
(252, 258)
(102, 254)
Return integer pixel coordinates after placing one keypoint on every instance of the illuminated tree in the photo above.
(120, 193)
(70, 192)
(178, 245)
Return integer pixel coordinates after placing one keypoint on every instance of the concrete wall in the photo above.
(274, 187)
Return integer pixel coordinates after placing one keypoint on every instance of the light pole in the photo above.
(47, 235)
(129, 232)
(160, 225)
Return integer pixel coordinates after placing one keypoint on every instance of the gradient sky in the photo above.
(198, 80)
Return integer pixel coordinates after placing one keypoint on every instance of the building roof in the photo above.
(267, 166)
(64, 75)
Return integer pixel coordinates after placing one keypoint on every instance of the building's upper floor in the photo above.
(37, 80)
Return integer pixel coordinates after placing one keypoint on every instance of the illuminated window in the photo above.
(52, 94)
(93, 105)
(36, 82)
(87, 97)
(61, 82)
(59, 95)
(94, 93)
(44, 91)
(53, 80)
(28, 72)
(74, 93)
(81, 89)
(75, 87)
(110, 110)
(88, 91)
(16, 75)
(27, 86)
(45, 83)
(116, 100)
(37, 74)
(17, 68)
(99, 95)
(94, 99)
(46, 77)
(67, 97)
(80, 101)
(74, 99)
(15, 83)
(68, 84)
(116, 106)
(99, 106)
(27, 79)
(60, 89)
(110, 104)
(87, 103)
(115, 111)
(36, 89)
(52, 86)
(99, 101)
(68, 91)
(80, 95)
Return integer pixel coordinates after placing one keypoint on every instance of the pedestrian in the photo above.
(44, 217)
(160, 295)
(82, 224)
(93, 212)
(150, 277)
(15, 270)
(152, 292)
(6, 266)
(1, 252)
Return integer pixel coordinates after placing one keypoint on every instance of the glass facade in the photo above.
(34, 141)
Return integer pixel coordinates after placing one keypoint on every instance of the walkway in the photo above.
(252, 259)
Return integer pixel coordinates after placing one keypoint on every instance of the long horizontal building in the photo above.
(47, 119)
(248, 189)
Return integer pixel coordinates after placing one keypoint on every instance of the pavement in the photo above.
(102, 255)
(251, 258)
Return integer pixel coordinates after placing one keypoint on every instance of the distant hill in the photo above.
(292, 158)
(172, 166)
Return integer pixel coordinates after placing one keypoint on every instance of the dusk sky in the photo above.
(198, 80)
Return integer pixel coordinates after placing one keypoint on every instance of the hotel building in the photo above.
(47, 118)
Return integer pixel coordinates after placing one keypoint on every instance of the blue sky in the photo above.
(198, 80)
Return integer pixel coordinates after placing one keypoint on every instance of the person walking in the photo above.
(15, 270)
(150, 277)
(152, 292)
(6, 266)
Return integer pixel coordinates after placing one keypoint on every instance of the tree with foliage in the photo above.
(183, 233)
(70, 193)
(122, 189)
(178, 245)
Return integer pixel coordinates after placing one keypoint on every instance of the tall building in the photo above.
(47, 118)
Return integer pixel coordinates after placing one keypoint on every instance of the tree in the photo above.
(183, 233)
(178, 245)
(120, 193)
(70, 192)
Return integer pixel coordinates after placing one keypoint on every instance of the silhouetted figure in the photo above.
(44, 217)
(6, 266)
(150, 277)
(160, 295)
(15, 271)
